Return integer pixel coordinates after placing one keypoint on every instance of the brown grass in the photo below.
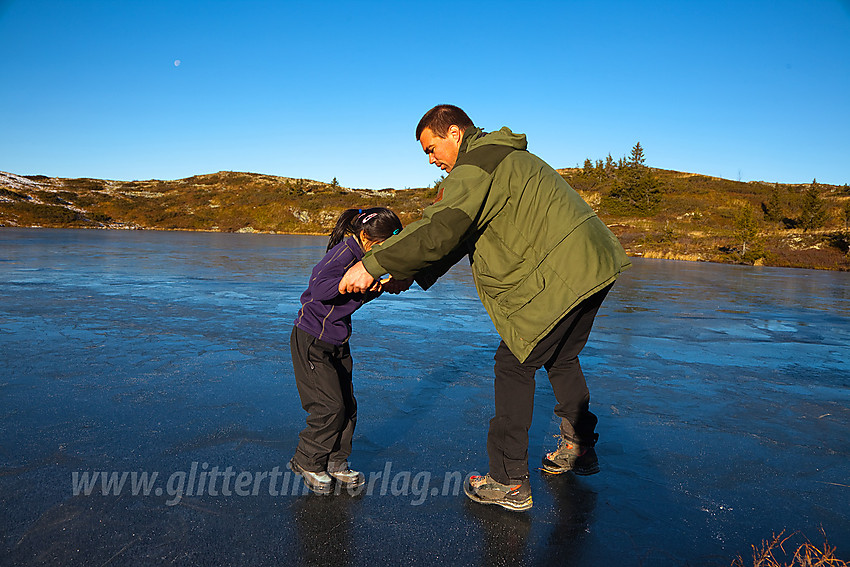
(771, 553)
(696, 220)
(672, 256)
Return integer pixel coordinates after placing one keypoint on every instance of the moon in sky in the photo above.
(176, 62)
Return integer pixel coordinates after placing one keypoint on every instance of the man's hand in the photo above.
(357, 280)
(395, 286)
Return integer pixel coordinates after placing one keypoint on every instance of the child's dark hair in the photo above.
(379, 223)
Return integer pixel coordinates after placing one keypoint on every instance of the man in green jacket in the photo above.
(542, 262)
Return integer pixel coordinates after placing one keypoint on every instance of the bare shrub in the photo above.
(771, 553)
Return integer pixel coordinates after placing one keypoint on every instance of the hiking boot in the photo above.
(571, 457)
(346, 477)
(515, 496)
(318, 482)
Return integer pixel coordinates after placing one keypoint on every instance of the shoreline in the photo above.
(647, 254)
(144, 228)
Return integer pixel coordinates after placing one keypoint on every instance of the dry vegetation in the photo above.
(698, 218)
(772, 553)
(224, 202)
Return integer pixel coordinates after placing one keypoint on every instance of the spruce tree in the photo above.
(813, 213)
(610, 166)
(636, 158)
(636, 189)
(747, 230)
(773, 207)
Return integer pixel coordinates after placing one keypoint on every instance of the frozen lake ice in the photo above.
(723, 394)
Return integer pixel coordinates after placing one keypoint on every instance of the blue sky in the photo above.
(741, 90)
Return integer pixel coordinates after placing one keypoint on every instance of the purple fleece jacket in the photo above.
(325, 313)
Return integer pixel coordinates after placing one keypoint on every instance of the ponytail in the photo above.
(344, 227)
(379, 223)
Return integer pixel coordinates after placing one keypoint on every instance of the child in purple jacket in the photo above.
(320, 353)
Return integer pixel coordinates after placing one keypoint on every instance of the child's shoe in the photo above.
(346, 477)
(571, 457)
(318, 482)
(515, 496)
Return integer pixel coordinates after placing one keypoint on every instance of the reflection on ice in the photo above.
(722, 391)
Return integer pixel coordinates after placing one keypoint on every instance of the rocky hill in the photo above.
(684, 216)
(226, 201)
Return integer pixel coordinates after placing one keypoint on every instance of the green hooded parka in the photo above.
(536, 247)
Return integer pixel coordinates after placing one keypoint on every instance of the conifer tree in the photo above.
(610, 166)
(746, 229)
(636, 188)
(813, 213)
(636, 158)
(773, 207)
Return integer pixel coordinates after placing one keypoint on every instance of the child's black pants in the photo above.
(323, 378)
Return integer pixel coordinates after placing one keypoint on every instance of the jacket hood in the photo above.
(475, 137)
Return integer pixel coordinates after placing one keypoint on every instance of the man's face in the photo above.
(442, 152)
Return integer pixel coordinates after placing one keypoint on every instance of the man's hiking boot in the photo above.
(515, 496)
(571, 457)
(346, 477)
(318, 482)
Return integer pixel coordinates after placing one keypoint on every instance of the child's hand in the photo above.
(394, 286)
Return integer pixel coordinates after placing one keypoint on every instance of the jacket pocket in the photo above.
(507, 279)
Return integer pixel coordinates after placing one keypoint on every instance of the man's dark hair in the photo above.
(441, 117)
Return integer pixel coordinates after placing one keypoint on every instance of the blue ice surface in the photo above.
(722, 392)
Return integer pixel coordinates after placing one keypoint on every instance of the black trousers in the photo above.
(507, 440)
(323, 378)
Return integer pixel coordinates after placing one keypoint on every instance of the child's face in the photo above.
(367, 242)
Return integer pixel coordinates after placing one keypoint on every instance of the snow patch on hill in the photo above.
(12, 181)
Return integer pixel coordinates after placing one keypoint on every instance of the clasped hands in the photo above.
(358, 280)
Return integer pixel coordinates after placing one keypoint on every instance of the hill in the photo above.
(655, 213)
(703, 218)
(226, 201)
